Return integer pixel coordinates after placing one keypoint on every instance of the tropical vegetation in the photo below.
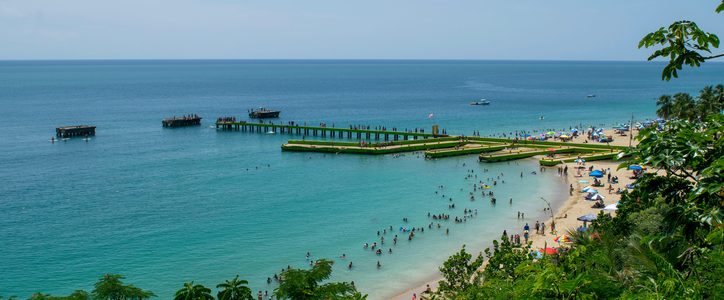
(295, 284)
(683, 43)
(685, 107)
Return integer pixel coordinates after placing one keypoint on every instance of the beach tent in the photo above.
(635, 167)
(596, 173)
(597, 197)
(587, 218)
(611, 207)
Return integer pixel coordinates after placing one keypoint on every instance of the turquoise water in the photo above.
(164, 206)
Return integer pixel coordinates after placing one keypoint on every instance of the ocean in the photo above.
(164, 206)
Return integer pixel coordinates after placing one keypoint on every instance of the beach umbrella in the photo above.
(562, 239)
(580, 160)
(549, 250)
(587, 218)
(597, 197)
(611, 207)
(537, 254)
(564, 136)
(589, 190)
(596, 173)
(551, 149)
(550, 133)
(635, 167)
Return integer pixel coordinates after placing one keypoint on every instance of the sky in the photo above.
(340, 29)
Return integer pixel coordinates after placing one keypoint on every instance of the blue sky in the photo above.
(339, 29)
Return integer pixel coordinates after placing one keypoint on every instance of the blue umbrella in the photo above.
(596, 173)
(587, 218)
(635, 167)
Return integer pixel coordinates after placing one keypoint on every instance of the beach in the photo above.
(565, 216)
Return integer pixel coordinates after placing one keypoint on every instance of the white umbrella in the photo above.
(589, 189)
(611, 207)
(597, 197)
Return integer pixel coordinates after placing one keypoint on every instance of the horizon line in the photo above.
(325, 59)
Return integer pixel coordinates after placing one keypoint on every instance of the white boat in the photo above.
(480, 102)
(591, 96)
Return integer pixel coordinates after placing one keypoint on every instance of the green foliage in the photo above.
(298, 284)
(683, 43)
(684, 107)
(110, 287)
(460, 272)
(191, 291)
(234, 289)
(77, 295)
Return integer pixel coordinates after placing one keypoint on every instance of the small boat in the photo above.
(271, 132)
(591, 96)
(263, 113)
(480, 102)
(542, 117)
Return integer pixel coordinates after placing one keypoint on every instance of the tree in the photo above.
(665, 106)
(298, 284)
(77, 295)
(110, 287)
(684, 106)
(234, 289)
(683, 43)
(191, 291)
(459, 272)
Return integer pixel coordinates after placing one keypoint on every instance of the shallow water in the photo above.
(164, 206)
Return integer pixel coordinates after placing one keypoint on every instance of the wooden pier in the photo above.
(188, 120)
(321, 131)
(72, 131)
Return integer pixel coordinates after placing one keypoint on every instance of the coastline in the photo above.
(564, 215)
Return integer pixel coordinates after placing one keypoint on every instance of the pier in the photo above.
(72, 131)
(188, 120)
(230, 124)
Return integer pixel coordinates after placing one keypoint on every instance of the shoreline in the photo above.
(564, 214)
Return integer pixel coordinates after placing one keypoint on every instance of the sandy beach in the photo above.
(571, 208)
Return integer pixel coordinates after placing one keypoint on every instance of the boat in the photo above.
(263, 113)
(591, 96)
(480, 102)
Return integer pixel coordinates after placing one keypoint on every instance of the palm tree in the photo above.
(192, 291)
(110, 287)
(234, 289)
(665, 105)
(684, 107)
(710, 101)
(304, 284)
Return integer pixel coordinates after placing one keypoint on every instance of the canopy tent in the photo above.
(596, 173)
(587, 218)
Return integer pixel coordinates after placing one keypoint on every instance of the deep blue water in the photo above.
(164, 206)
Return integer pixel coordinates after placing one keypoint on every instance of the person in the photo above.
(526, 227)
(349, 266)
(259, 295)
(428, 290)
(379, 265)
(414, 296)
